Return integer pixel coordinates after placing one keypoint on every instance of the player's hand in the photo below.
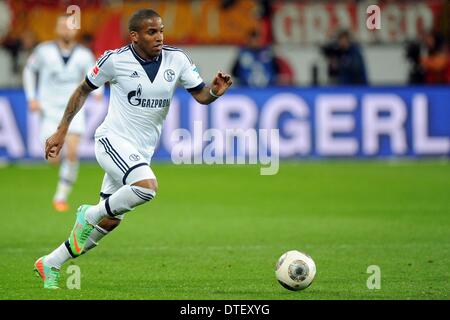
(54, 144)
(221, 83)
(34, 106)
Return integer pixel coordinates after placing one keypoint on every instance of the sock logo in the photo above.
(134, 157)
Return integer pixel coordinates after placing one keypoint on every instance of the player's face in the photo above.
(150, 36)
(64, 32)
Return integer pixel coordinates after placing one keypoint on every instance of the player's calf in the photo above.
(64, 252)
(109, 224)
(94, 222)
(100, 231)
(68, 174)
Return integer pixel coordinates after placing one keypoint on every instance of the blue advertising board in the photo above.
(355, 122)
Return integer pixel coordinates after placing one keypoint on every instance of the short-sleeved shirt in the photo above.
(141, 92)
(59, 74)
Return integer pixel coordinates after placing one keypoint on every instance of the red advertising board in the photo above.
(303, 22)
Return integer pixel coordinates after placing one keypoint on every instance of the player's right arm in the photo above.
(32, 67)
(101, 73)
(55, 142)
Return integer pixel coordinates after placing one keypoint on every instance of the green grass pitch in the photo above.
(216, 232)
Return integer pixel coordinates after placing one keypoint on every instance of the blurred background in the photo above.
(276, 50)
(375, 99)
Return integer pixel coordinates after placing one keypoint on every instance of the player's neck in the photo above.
(65, 45)
(142, 54)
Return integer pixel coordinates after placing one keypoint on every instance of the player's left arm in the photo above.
(216, 89)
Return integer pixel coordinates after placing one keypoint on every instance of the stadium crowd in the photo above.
(258, 64)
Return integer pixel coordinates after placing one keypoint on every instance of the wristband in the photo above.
(213, 94)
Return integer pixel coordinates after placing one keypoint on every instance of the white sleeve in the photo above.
(190, 77)
(102, 72)
(90, 61)
(34, 61)
(29, 83)
(32, 66)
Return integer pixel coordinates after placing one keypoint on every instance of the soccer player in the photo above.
(143, 76)
(60, 66)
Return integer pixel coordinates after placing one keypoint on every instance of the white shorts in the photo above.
(122, 164)
(49, 124)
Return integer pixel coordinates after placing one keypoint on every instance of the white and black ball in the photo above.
(295, 270)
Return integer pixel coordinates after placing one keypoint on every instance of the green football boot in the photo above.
(48, 274)
(80, 232)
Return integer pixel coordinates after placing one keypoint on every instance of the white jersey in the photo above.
(141, 92)
(59, 74)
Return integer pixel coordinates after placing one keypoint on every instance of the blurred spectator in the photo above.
(265, 15)
(87, 40)
(257, 66)
(20, 48)
(345, 61)
(435, 62)
(12, 45)
(416, 73)
(285, 73)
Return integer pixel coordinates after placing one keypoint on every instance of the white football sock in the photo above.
(123, 200)
(68, 173)
(61, 254)
(97, 234)
(58, 256)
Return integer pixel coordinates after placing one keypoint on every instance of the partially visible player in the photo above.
(52, 73)
(143, 77)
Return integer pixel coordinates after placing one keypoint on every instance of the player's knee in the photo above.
(72, 152)
(144, 191)
(109, 224)
(151, 184)
(73, 141)
(72, 155)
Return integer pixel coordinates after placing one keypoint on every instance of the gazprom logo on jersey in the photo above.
(134, 98)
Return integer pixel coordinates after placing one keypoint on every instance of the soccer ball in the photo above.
(295, 270)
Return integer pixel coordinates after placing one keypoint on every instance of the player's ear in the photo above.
(133, 36)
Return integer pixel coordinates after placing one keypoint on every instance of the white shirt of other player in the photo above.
(141, 92)
(59, 75)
